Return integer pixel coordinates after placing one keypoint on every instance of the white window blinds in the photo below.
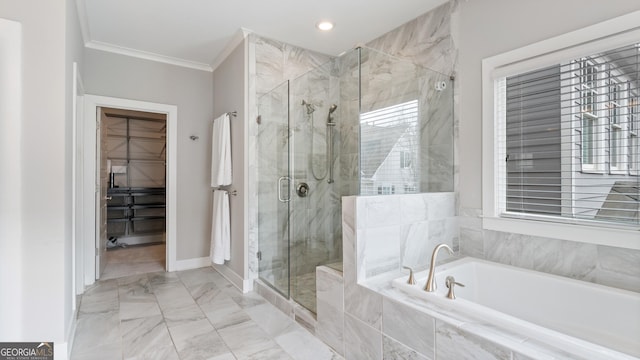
(568, 139)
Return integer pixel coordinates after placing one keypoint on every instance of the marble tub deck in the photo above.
(193, 314)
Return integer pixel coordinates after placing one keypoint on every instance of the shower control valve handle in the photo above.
(302, 189)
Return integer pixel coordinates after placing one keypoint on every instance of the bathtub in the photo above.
(562, 312)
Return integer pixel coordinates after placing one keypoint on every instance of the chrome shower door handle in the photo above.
(280, 198)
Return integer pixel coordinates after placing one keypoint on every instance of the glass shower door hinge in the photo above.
(259, 255)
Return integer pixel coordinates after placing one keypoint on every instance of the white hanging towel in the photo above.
(221, 152)
(220, 228)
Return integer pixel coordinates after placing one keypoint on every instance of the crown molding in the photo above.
(237, 38)
(98, 45)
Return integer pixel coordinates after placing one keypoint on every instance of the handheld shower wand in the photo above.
(332, 108)
(330, 125)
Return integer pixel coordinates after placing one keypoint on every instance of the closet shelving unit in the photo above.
(135, 210)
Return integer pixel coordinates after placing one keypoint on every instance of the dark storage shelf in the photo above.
(128, 201)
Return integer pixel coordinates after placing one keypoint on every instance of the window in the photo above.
(633, 121)
(389, 149)
(405, 159)
(617, 143)
(538, 111)
(587, 89)
(560, 137)
(386, 189)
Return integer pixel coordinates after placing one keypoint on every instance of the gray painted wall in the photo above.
(229, 94)
(114, 75)
(42, 274)
(74, 48)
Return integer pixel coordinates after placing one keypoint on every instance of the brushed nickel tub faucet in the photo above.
(431, 283)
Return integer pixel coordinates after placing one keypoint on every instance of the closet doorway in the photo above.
(133, 170)
(130, 178)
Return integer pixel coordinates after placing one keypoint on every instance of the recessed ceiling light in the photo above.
(325, 25)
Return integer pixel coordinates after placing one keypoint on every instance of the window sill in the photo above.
(600, 235)
(592, 171)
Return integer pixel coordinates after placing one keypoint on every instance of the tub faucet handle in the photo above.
(411, 280)
(451, 283)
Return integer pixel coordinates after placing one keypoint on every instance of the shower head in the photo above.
(332, 108)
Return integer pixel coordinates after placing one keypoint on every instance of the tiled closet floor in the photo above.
(193, 314)
(133, 260)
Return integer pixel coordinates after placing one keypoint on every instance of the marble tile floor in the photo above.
(134, 260)
(193, 314)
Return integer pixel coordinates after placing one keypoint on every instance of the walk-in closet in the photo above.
(134, 144)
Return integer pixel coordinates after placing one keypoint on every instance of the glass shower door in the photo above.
(274, 188)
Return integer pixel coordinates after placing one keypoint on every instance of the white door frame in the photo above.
(77, 208)
(91, 103)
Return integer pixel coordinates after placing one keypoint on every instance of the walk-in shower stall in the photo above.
(364, 123)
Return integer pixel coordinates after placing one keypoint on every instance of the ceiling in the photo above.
(195, 33)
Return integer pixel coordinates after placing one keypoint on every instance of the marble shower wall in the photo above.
(271, 65)
(428, 42)
(321, 81)
(315, 221)
(388, 81)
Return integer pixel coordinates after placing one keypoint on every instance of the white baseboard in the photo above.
(244, 285)
(194, 263)
(63, 351)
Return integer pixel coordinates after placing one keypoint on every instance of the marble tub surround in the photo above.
(193, 314)
(373, 323)
(539, 307)
(460, 336)
(402, 230)
(382, 322)
(605, 265)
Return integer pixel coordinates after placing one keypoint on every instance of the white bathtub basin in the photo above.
(539, 305)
